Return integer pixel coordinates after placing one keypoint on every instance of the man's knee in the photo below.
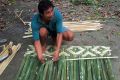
(43, 32)
(68, 35)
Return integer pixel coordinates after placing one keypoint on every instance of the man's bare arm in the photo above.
(38, 49)
(58, 46)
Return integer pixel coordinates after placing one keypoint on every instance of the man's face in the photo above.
(48, 14)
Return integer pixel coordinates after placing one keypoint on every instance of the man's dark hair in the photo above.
(44, 5)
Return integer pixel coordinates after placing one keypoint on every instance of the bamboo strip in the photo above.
(105, 77)
(98, 70)
(30, 66)
(89, 70)
(93, 58)
(27, 36)
(21, 68)
(50, 71)
(108, 67)
(34, 69)
(23, 74)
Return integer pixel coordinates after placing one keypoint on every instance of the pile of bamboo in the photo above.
(96, 69)
(7, 55)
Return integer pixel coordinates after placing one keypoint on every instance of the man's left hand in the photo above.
(56, 56)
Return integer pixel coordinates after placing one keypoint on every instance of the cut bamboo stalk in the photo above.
(74, 70)
(98, 70)
(82, 70)
(108, 67)
(65, 70)
(50, 71)
(29, 68)
(25, 68)
(28, 33)
(6, 48)
(89, 70)
(53, 74)
(45, 71)
(93, 69)
(71, 70)
(27, 36)
(40, 72)
(34, 69)
(105, 77)
(7, 61)
(60, 64)
(21, 68)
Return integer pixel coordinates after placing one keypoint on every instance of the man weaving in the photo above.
(48, 22)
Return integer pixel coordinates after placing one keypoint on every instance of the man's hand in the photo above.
(56, 56)
(39, 50)
(41, 58)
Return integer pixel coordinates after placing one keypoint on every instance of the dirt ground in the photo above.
(108, 13)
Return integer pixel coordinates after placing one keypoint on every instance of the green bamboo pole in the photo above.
(103, 73)
(40, 72)
(23, 74)
(89, 70)
(65, 70)
(50, 70)
(77, 70)
(60, 65)
(29, 68)
(74, 70)
(55, 71)
(21, 68)
(82, 69)
(108, 67)
(62, 75)
(45, 71)
(86, 71)
(35, 69)
(94, 75)
(71, 70)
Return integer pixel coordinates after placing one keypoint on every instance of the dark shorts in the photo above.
(54, 33)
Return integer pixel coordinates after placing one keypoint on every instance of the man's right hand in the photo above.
(41, 58)
(39, 50)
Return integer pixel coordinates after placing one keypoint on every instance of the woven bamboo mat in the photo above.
(68, 67)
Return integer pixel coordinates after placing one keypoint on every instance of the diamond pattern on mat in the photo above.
(81, 51)
(87, 51)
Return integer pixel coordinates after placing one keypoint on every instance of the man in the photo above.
(48, 22)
